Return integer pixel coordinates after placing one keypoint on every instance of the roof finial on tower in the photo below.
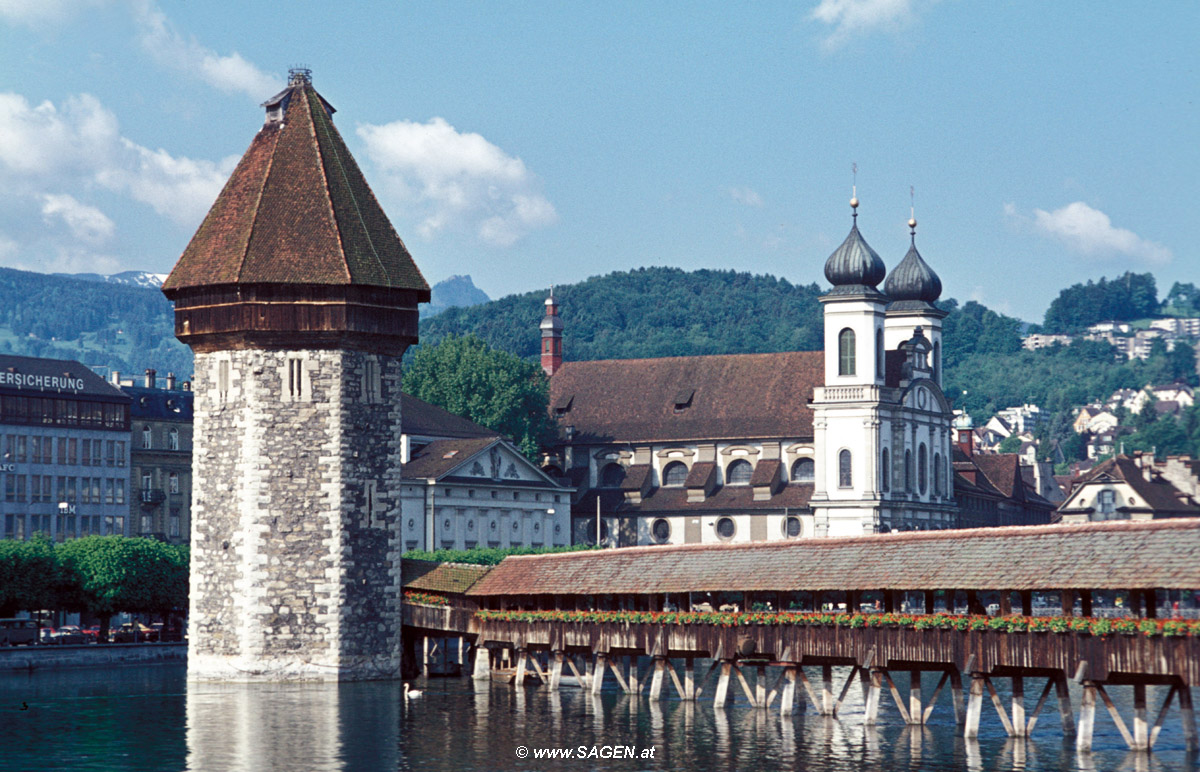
(912, 214)
(854, 191)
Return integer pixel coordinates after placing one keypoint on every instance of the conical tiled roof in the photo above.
(297, 211)
(913, 282)
(854, 267)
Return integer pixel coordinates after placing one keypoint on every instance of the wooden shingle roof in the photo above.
(297, 211)
(450, 578)
(1115, 555)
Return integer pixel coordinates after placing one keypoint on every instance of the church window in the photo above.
(922, 467)
(661, 531)
(880, 361)
(793, 527)
(739, 472)
(845, 472)
(908, 472)
(846, 352)
(937, 362)
(937, 474)
(612, 475)
(675, 474)
(885, 471)
(726, 528)
(803, 470)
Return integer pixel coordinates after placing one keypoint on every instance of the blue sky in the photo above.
(535, 143)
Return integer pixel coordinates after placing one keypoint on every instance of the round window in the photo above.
(793, 527)
(557, 528)
(537, 527)
(726, 528)
(661, 531)
(411, 523)
(516, 525)
(493, 525)
(470, 525)
(446, 524)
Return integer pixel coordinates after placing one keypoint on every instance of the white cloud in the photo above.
(1090, 232)
(850, 18)
(44, 149)
(457, 180)
(37, 13)
(230, 73)
(87, 223)
(745, 195)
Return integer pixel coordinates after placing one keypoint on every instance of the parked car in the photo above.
(14, 632)
(134, 632)
(166, 634)
(46, 635)
(69, 635)
(92, 633)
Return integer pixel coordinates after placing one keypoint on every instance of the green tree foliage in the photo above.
(1182, 300)
(487, 556)
(30, 578)
(1125, 298)
(494, 388)
(1010, 444)
(116, 573)
(650, 312)
(976, 329)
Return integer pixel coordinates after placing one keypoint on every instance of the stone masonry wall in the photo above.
(295, 549)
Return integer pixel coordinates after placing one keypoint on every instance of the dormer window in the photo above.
(683, 399)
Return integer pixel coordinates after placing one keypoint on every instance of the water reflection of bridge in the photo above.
(592, 615)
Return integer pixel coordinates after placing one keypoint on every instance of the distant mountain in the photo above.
(455, 292)
(107, 323)
(132, 278)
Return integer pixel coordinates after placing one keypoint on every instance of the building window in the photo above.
(1106, 502)
(803, 470)
(612, 475)
(173, 524)
(793, 527)
(111, 452)
(73, 451)
(97, 451)
(120, 491)
(147, 438)
(173, 485)
(147, 524)
(937, 474)
(223, 380)
(885, 471)
(147, 482)
(739, 472)
(937, 362)
(880, 359)
(908, 480)
(846, 352)
(726, 528)
(922, 467)
(120, 453)
(173, 439)
(661, 531)
(845, 471)
(110, 491)
(675, 474)
(295, 377)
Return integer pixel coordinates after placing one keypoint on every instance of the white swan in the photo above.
(411, 692)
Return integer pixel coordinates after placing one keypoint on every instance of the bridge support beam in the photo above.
(874, 691)
(787, 698)
(915, 714)
(597, 674)
(656, 679)
(722, 694)
(1087, 718)
(556, 666)
(974, 707)
(1019, 723)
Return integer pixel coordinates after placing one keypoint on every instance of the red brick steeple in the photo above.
(552, 328)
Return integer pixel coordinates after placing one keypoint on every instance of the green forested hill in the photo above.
(102, 325)
(650, 312)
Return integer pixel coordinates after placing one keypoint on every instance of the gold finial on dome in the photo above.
(912, 213)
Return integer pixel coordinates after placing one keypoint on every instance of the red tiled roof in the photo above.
(440, 456)
(1115, 555)
(1158, 494)
(297, 210)
(452, 578)
(736, 396)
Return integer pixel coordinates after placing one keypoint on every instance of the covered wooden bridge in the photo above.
(1103, 604)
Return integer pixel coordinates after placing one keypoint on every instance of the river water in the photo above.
(150, 718)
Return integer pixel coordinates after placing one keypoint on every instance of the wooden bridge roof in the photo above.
(1119, 555)
(428, 576)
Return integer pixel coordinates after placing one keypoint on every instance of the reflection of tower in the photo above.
(552, 328)
(298, 299)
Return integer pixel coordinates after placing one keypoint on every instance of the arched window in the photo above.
(147, 437)
(738, 473)
(173, 440)
(885, 471)
(922, 467)
(880, 359)
(937, 362)
(937, 474)
(726, 528)
(846, 352)
(803, 470)
(908, 480)
(845, 473)
(660, 531)
(674, 474)
(612, 475)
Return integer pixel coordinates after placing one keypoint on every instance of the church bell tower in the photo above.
(298, 299)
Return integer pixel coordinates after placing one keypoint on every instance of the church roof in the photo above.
(854, 268)
(297, 211)
(730, 396)
(425, 420)
(912, 284)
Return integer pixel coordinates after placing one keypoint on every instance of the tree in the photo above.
(117, 573)
(1010, 444)
(30, 579)
(493, 388)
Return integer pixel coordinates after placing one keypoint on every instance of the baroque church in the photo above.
(852, 440)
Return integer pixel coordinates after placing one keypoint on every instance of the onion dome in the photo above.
(854, 267)
(912, 284)
(551, 322)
